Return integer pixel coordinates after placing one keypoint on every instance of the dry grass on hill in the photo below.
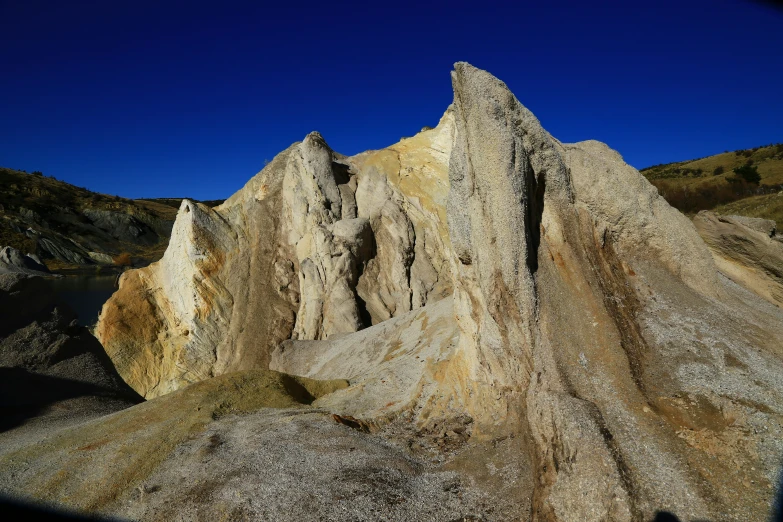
(706, 183)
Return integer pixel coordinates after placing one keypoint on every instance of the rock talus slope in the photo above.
(482, 282)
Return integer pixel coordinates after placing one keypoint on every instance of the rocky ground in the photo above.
(54, 372)
(476, 323)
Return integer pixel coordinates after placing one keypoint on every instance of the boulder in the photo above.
(12, 260)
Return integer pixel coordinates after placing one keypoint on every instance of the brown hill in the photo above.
(68, 226)
(710, 183)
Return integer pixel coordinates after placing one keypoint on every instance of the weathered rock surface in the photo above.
(593, 323)
(747, 250)
(330, 242)
(572, 334)
(489, 294)
(765, 226)
(392, 366)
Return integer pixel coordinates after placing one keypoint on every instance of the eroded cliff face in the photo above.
(314, 245)
(479, 282)
(589, 309)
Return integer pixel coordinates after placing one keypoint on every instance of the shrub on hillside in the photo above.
(748, 173)
(123, 259)
(692, 200)
(718, 170)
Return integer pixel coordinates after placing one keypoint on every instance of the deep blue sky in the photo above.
(164, 99)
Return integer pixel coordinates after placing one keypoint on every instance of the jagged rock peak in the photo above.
(314, 245)
(316, 139)
(328, 241)
(566, 264)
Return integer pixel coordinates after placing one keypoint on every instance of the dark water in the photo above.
(85, 294)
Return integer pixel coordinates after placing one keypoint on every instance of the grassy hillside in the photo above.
(64, 224)
(768, 206)
(711, 184)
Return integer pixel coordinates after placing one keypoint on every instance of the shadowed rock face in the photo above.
(13, 261)
(589, 322)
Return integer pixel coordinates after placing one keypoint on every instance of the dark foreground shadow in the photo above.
(24, 395)
(18, 510)
(777, 506)
(665, 516)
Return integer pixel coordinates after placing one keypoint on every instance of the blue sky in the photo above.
(173, 99)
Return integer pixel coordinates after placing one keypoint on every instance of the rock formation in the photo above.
(242, 446)
(314, 245)
(747, 250)
(490, 295)
(591, 317)
(13, 261)
(572, 334)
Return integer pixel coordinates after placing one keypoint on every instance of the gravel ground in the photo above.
(301, 465)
